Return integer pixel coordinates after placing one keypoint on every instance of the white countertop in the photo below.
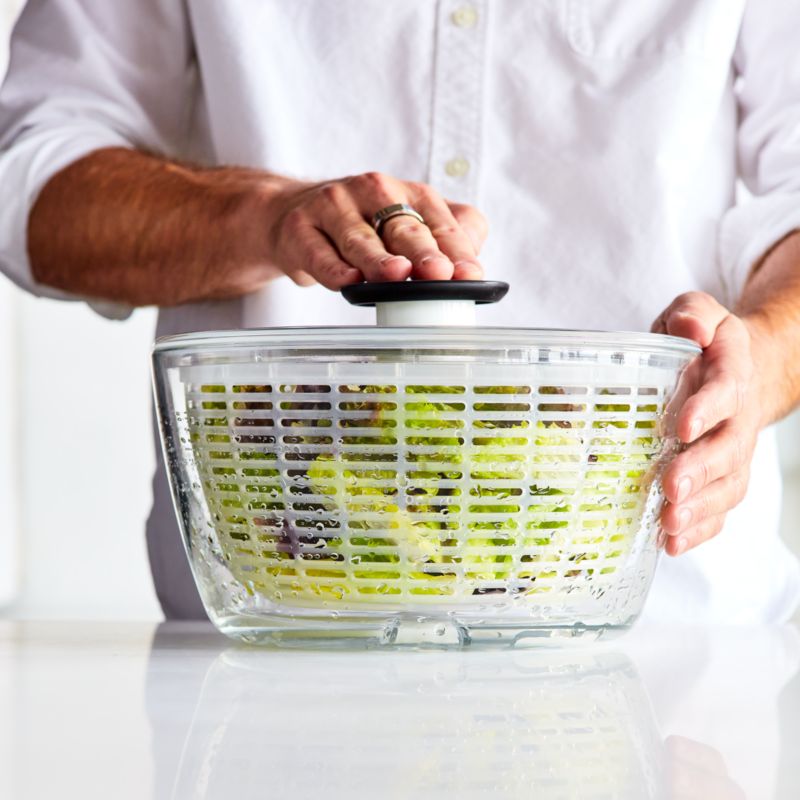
(130, 710)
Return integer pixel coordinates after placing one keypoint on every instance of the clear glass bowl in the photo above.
(443, 486)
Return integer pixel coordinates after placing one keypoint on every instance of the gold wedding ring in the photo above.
(381, 217)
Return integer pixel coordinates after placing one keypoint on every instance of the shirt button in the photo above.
(465, 17)
(457, 167)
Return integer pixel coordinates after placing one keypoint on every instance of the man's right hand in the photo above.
(320, 233)
(125, 226)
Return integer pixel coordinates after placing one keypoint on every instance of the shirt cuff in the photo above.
(25, 168)
(748, 231)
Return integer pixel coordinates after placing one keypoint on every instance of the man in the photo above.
(191, 155)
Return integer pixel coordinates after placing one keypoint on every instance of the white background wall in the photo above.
(75, 466)
(8, 488)
(76, 457)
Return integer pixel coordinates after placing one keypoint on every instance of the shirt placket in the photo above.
(461, 42)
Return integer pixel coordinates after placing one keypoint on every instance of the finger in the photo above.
(694, 753)
(727, 372)
(316, 256)
(722, 452)
(360, 197)
(337, 210)
(717, 498)
(408, 237)
(659, 325)
(301, 277)
(467, 271)
(451, 238)
(687, 782)
(694, 536)
(360, 246)
(404, 235)
(473, 222)
(694, 315)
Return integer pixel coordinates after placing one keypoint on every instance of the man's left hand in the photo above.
(719, 421)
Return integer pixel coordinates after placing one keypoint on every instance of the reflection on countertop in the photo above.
(422, 727)
(180, 712)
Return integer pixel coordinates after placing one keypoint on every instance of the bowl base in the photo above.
(398, 631)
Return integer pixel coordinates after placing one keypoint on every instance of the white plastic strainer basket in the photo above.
(491, 479)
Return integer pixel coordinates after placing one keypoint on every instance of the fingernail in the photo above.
(683, 543)
(684, 487)
(684, 518)
(473, 266)
(437, 262)
(395, 261)
(662, 538)
(695, 428)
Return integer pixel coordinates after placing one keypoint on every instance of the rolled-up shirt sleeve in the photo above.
(85, 75)
(768, 90)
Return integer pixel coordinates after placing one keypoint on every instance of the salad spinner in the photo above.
(425, 481)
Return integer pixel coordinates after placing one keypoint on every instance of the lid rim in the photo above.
(420, 291)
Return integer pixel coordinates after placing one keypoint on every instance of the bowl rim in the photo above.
(370, 337)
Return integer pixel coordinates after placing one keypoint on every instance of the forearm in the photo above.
(770, 306)
(125, 226)
(122, 225)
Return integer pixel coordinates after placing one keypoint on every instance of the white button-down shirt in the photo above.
(602, 138)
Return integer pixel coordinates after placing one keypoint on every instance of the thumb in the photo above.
(694, 315)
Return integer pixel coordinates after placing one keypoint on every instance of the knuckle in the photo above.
(333, 193)
(445, 231)
(696, 304)
(740, 393)
(739, 481)
(725, 395)
(479, 221)
(356, 239)
(373, 182)
(704, 507)
(739, 396)
(704, 472)
(318, 262)
(683, 300)
(695, 300)
(295, 221)
(406, 228)
(423, 190)
(738, 449)
(735, 389)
